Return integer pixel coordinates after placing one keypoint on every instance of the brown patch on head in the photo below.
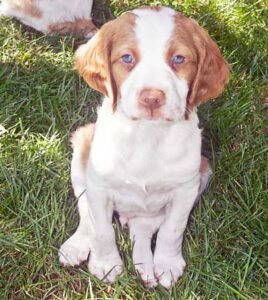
(83, 27)
(205, 69)
(27, 7)
(81, 140)
(181, 44)
(99, 61)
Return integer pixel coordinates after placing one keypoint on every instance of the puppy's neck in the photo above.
(106, 116)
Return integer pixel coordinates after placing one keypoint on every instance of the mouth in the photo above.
(149, 114)
(153, 115)
(152, 119)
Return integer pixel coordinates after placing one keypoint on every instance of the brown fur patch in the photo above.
(78, 26)
(204, 165)
(100, 61)
(96, 60)
(212, 71)
(27, 7)
(81, 139)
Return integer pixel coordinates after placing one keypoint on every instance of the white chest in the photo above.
(141, 165)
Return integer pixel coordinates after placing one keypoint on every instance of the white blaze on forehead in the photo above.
(153, 30)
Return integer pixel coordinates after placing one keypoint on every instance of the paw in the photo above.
(143, 262)
(74, 251)
(168, 269)
(146, 272)
(105, 268)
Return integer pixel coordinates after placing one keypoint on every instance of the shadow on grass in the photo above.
(45, 94)
(232, 43)
(101, 14)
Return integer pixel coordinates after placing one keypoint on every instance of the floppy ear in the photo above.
(92, 61)
(212, 70)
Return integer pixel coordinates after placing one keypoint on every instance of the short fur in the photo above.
(52, 16)
(143, 157)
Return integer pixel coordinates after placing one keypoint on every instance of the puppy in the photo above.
(52, 16)
(142, 158)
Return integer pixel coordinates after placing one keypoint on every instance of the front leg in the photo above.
(94, 234)
(76, 249)
(168, 260)
(104, 261)
(141, 231)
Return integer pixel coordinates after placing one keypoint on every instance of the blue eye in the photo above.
(128, 59)
(177, 59)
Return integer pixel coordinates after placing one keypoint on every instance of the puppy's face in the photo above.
(154, 64)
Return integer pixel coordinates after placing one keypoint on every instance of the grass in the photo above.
(42, 100)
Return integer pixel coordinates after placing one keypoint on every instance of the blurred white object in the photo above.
(57, 16)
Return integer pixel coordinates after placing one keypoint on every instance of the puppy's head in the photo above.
(153, 63)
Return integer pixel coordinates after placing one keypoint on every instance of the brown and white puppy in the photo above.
(142, 158)
(52, 16)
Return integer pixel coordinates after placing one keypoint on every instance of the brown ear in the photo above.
(212, 71)
(92, 61)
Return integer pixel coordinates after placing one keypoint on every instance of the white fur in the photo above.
(53, 11)
(146, 170)
(152, 71)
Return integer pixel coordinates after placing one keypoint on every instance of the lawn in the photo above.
(42, 99)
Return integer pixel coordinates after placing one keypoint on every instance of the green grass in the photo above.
(42, 100)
